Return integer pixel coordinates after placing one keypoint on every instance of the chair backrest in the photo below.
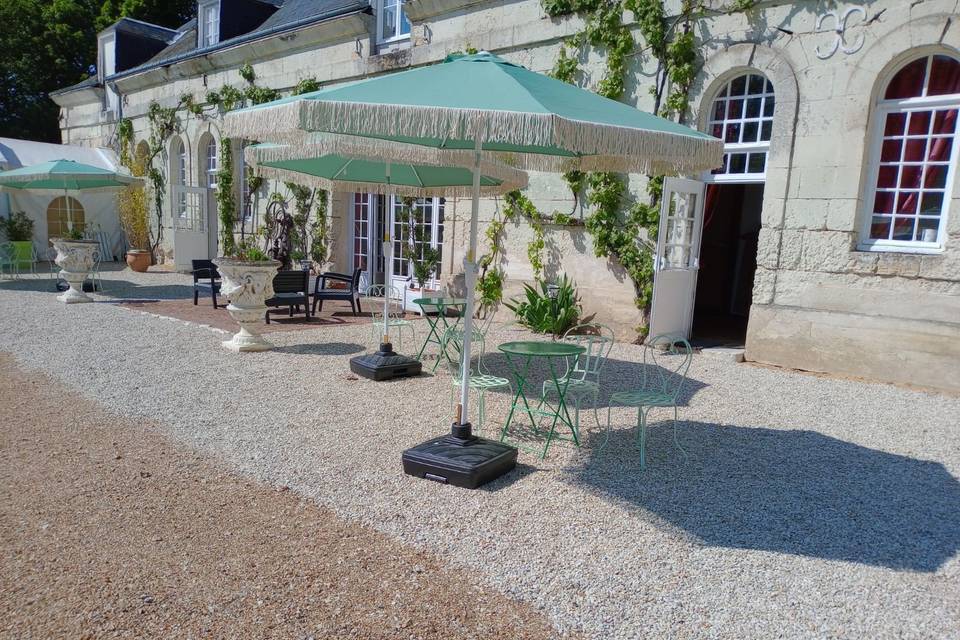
(597, 341)
(294, 281)
(6, 252)
(355, 280)
(374, 295)
(197, 265)
(666, 361)
(453, 338)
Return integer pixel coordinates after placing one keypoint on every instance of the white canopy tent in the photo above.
(99, 209)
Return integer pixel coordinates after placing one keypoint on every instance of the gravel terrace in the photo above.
(108, 530)
(808, 506)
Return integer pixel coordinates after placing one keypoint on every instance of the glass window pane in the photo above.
(769, 87)
(928, 229)
(916, 151)
(733, 132)
(753, 107)
(880, 228)
(910, 176)
(936, 176)
(719, 109)
(756, 84)
(738, 86)
(887, 179)
(907, 202)
(750, 131)
(734, 109)
(945, 121)
(389, 29)
(944, 76)
(895, 124)
(932, 203)
(940, 149)
(765, 131)
(903, 228)
(919, 123)
(757, 163)
(908, 83)
(890, 152)
(717, 130)
(768, 104)
(883, 202)
(738, 162)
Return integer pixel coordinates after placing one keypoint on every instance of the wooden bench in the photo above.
(291, 289)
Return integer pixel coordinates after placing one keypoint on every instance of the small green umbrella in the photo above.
(330, 162)
(65, 176)
(484, 104)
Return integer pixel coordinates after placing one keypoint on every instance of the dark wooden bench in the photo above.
(290, 289)
(350, 293)
(206, 278)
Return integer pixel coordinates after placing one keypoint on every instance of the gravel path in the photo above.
(108, 530)
(808, 507)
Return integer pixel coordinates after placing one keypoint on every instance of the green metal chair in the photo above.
(666, 361)
(480, 379)
(583, 377)
(8, 264)
(396, 324)
(25, 257)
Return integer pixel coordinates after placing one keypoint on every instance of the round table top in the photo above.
(542, 348)
(440, 302)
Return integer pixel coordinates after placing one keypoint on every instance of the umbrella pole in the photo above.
(461, 427)
(387, 273)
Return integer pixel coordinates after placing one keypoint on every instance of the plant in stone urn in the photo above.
(75, 259)
(247, 282)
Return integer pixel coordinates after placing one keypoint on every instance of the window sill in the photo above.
(395, 44)
(885, 248)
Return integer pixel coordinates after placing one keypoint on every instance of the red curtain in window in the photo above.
(944, 123)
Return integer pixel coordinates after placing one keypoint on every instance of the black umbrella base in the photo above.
(460, 459)
(385, 364)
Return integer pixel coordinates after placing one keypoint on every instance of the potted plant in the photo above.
(304, 262)
(247, 275)
(75, 259)
(19, 231)
(133, 212)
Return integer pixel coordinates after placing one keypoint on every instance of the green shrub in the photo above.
(18, 227)
(542, 313)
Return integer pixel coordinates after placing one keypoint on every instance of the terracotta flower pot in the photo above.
(138, 260)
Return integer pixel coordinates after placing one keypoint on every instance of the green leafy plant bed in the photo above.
(548, 308)
(18, 227)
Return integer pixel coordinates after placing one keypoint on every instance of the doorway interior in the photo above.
(728, 263)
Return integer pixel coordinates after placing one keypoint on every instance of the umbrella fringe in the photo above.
(316, 145)
(464, 191)
(603, 147)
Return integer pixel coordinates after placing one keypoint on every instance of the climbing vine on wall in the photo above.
(226, 203)
(616, 220)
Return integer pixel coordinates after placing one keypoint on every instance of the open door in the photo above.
(678, 257)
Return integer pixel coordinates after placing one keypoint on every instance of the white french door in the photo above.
(677, 261)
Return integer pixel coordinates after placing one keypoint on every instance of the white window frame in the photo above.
(212, 163)
(379, 9)
(206, 36)
(181, 180)
(742, 147)
(111, 100)
(394, 206)
(881, 110)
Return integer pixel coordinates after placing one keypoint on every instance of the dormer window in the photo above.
(208, 22)
(392, 24)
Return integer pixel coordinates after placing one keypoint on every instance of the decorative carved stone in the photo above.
(840, 28)
(247, 285)
(75, 259)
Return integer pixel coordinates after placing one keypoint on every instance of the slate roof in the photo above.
(291, 14)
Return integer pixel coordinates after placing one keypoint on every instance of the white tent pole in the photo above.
(387, 252)
(470, 276)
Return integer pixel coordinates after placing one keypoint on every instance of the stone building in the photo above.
(828, 241)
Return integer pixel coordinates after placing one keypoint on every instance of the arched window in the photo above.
(914, 156)
(211, 164)
(742, 116)
(63, 214)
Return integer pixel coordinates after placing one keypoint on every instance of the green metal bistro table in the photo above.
(520, 355)
(439, 326)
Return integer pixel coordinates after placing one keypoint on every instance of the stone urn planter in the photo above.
(75, 259)
(138, 260)
(247, 284)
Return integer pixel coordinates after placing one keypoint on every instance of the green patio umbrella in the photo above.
(64, 176)
(314, 162)
(484, 104)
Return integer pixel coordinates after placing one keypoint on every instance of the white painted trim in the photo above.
(378, 10)
(881, 110)
(202, 34)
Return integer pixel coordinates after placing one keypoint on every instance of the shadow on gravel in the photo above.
(617, 376)
(119, 289)
(322, 349)
(797, 492)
